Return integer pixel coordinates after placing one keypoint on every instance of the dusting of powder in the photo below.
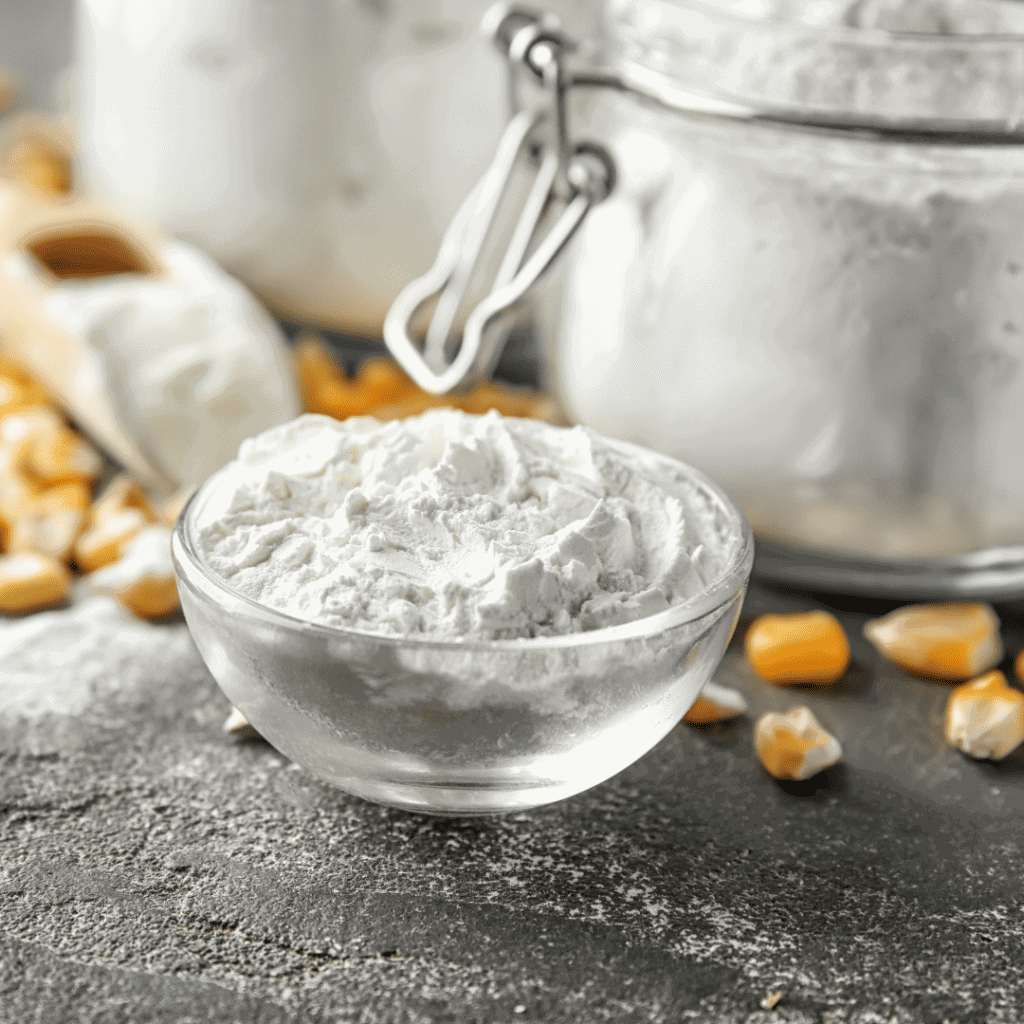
(453, 526)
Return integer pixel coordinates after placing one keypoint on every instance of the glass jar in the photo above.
(315, 148)
(808, 278)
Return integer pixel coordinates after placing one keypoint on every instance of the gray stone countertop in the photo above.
(152, 869)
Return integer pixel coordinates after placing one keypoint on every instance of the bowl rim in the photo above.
(729, 582)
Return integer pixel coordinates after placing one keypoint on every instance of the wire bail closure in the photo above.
(575, 178)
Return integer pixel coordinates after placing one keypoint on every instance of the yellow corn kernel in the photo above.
(17, 494)
(29, 581)
(42, 166)
(1018, 667)
(57, 456)
(105, 541)
(17, 394)
(508, 400)
(142, 579)
(321, 381)
(715, 704)
(794, 745)
(18, 428)
(52, 534)
(985, 717)
(383, 381)
(803, 647)
(340, 399)
(73, 494)
(947, 641)
(120, 494)
(151, 597)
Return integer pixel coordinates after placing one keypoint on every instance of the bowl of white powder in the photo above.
(460, 614)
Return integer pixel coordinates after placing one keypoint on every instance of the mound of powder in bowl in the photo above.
(453, 526)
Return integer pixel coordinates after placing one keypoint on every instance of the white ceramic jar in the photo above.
(316, 148)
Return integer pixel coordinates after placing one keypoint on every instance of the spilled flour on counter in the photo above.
(63, 662)
(458, 527)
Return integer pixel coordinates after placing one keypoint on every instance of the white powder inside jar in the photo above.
(829, 327)
(456, 526)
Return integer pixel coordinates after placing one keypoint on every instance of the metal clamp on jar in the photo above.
(788, 253)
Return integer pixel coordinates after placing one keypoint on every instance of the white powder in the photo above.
(62, 662)
(831, 329)
(457, 526)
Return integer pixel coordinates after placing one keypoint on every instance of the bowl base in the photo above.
(451, 800)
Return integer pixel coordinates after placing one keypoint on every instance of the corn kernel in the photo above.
(29, 581)
(1018, 667)
(340, 399)
(120, 494)
(18, 428)
(985, 717)
(804, 647)
(142, 579)
(51, 533)
(794, 745)
(383, 381)
(57, 456)
(73, 494)
(947, 641)
(42, 166)
(17, 494)
(236, 724)
(106, 540)
(315, 370)
(17, 394)
(715, 704)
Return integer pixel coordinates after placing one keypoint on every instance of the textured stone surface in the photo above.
(152, 869)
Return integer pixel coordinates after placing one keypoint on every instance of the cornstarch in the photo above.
(455, 526)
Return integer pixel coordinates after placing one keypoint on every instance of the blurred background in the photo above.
(826, 324)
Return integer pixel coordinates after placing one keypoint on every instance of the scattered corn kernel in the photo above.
(29, 580)
(142, 579)
(382, 380)
(17, 494)
(985, 717)
(41, 165)
(57, 456)
(73, 494)
(1018, 667)
(382, 389)
(123, 493)
(51, 533)
(948, 641)
(236, 724)
(17, 394)
(715, 704)
(794, 745)
(107, 539)
(18, 428)
(804, 647)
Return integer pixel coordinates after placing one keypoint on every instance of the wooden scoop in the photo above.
(42, 244)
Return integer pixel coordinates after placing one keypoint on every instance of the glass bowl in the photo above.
(450, 727)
